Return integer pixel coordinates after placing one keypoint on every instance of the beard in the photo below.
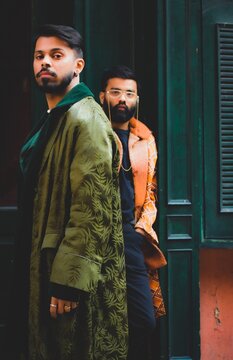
(119, 116)
(49, 87)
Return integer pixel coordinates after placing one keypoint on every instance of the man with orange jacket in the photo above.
(138, 155)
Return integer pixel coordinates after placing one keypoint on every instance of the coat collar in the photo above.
(76, 94)
(139, 129)
(37, 140)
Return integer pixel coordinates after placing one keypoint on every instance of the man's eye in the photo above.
(130, 94)
(57, 56)
(115, 92)
(39, 57)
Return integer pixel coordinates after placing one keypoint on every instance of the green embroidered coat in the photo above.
(77, 241)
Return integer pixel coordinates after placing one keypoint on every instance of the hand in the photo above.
(59, 306)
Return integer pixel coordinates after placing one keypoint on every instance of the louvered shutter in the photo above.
(218, 129)
(225, 76)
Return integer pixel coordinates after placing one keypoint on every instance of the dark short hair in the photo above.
(117, 71)
(64, 32)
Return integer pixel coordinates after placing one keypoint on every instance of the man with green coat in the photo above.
(70, 289)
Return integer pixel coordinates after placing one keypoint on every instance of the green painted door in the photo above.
(180, 121)
(195, 93)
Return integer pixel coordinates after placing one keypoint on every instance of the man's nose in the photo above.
(46, 62)
(123, 97)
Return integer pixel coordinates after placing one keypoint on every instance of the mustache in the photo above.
(52, 73)
(121, 105)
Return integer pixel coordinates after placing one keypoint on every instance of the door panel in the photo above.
(218, 122)
(179, 114)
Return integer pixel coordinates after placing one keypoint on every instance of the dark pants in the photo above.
(140, 307)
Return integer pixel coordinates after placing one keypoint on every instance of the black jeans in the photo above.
(140, 307)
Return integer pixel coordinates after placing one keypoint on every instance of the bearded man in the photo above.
(69, 300)
(138, 155)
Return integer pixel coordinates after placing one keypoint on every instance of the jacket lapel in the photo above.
(51, 142)
(138, 153)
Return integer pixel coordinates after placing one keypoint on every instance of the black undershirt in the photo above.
(126, 180)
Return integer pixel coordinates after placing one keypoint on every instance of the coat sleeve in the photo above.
(79, 258)
(149, 210)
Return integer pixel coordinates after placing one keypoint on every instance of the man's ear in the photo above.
(101, 97)
(80, 63)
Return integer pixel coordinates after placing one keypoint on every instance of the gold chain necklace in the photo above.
(126, 169)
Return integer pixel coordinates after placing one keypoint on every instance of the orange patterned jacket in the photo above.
(143, 158)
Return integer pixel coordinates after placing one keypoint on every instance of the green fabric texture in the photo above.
(77, 240)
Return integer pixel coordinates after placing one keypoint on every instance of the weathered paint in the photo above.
(216, 301)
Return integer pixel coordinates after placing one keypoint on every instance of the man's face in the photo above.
(55, 64)
(122, 105)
